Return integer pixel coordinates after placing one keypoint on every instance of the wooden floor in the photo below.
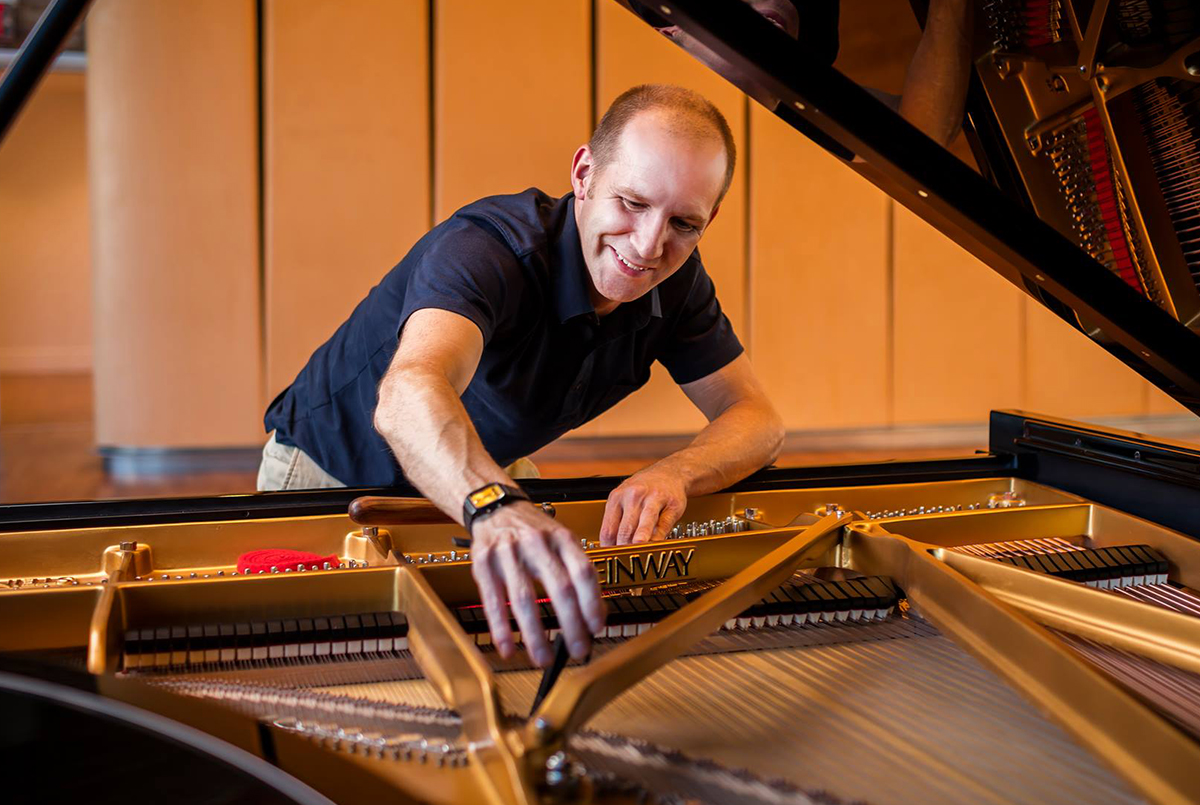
(47, 451)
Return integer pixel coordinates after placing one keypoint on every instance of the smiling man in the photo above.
(520, 318)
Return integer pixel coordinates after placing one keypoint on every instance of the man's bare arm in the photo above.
(422, 418)
(744, 434)
(935, 87)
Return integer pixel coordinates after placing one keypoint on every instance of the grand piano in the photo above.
(1010, 627)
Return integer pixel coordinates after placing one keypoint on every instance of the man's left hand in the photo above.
(643, 508)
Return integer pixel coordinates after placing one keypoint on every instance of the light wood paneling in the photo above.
(957, 333)
(173, 155)
(45, 283)
(347, 162)
(659, 407)
(512, 96)
(819, 281)
(1071, 376)
(1158, 402)
(628, 53)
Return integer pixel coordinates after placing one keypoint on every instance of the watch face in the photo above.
(489, 494)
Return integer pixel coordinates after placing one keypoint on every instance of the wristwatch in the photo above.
(486, 499)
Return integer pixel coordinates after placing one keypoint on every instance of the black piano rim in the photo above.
(131, 738)
(300, 503)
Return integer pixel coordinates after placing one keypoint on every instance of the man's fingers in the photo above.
(612, 518)
(651, 513)
(549, 570)
(583, 578)
(491, 595)
(524, 608)
(629, 522)
(666, 521)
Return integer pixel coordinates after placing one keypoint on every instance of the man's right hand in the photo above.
(509, 549)
(421, 415)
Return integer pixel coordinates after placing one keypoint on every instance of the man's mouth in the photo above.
(630, 265)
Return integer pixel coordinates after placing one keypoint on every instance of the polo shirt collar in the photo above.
(572, 286)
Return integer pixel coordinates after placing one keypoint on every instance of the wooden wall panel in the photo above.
(1071, 376)
(346, 162)
(628, 53)
(819, 282)
(173, 156)
(658, 408)
(957, 333)
(1158, 402)
(512, 96)
(45, 282)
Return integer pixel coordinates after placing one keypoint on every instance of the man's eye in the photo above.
(684, 226)
(633, 205)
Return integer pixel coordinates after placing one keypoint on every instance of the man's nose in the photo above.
(649, 238)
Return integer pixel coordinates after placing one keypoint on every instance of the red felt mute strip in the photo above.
(277, 560)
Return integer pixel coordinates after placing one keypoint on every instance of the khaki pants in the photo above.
(287, 467)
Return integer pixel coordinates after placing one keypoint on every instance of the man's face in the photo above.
(641, 216)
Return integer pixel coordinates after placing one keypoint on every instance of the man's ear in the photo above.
(582, 169)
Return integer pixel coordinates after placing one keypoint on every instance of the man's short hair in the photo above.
(695, 113)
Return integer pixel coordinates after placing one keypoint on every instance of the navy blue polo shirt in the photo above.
(513, 265)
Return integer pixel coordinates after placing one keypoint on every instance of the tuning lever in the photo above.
(376, 510)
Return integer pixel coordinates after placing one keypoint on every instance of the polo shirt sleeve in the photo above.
(702, 340)
(467, 271)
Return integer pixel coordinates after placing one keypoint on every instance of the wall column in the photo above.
(173, 163)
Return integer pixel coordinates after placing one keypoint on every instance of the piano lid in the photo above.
(1084, 116)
